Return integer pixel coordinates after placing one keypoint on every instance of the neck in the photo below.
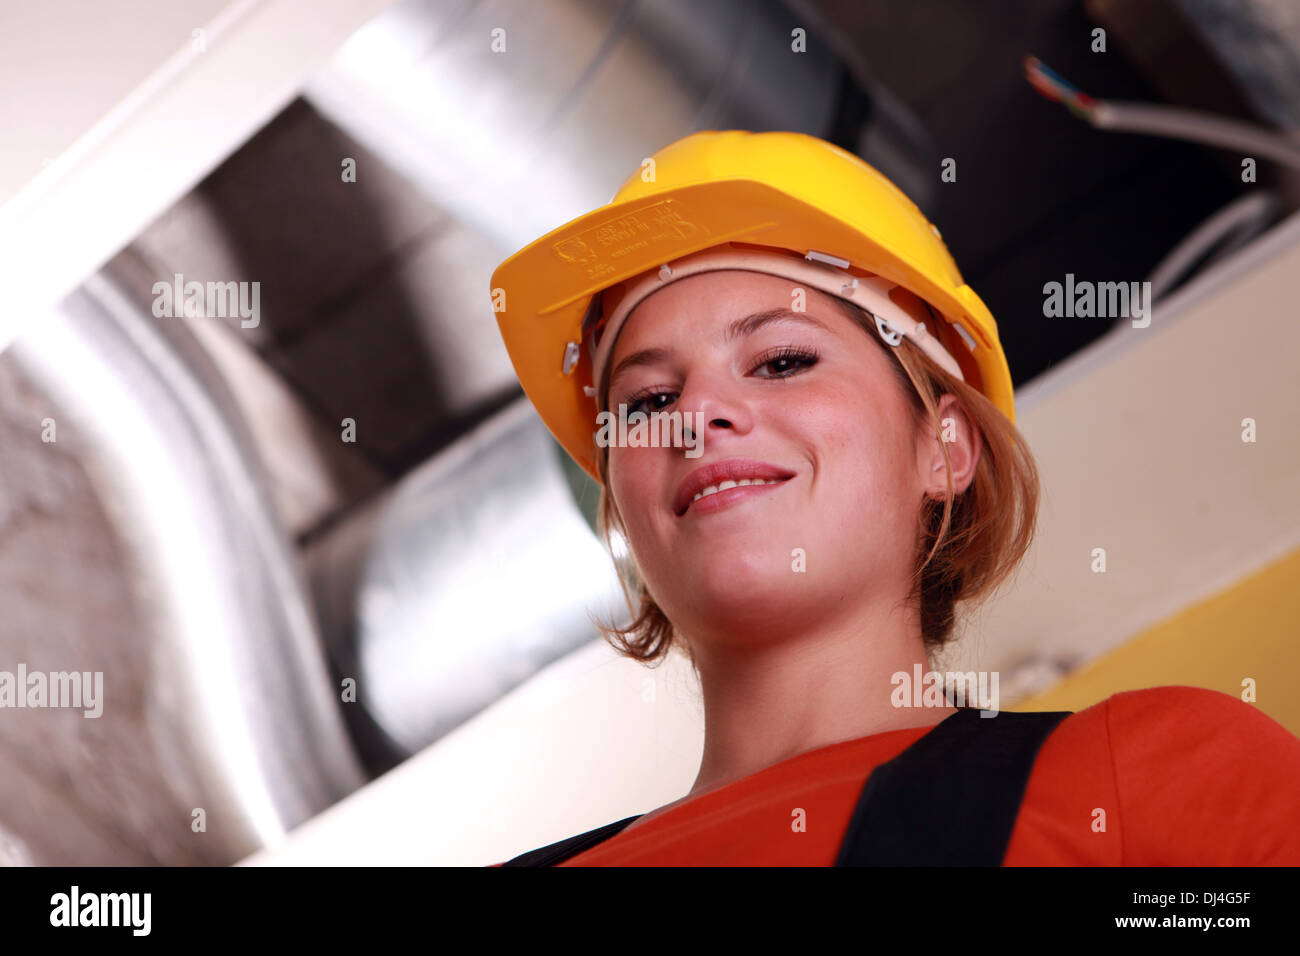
(767, 702)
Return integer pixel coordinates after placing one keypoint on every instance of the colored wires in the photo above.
(1167, 121)
(1059, 90)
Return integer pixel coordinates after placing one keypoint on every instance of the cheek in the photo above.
(863, 466)
(630, 475)
(847, 429)
(635, 482)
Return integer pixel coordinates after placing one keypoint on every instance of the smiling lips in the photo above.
(712, 486)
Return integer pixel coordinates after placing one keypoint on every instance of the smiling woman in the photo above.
(859, 477)
(970, 531)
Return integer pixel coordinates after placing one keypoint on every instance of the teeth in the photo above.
(724, 485)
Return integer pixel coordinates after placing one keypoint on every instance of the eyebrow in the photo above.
(736, 329)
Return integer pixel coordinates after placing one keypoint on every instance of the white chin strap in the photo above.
(892, 323)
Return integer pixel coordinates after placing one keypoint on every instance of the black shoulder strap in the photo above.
(952, 797)
(559, 852)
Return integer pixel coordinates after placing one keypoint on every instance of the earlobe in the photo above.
(956, 434)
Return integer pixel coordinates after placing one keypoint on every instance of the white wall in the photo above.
(130, 115)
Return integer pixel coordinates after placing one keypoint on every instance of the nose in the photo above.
(714, 398)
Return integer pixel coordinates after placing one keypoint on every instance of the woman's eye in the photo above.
(648, 402)
(786, 362)
(783, 362)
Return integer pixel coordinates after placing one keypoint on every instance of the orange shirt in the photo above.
(1169, 776)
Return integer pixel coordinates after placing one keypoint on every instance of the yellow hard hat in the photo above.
(709, 198)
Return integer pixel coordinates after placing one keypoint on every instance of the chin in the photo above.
(749, 622)
(748, 593)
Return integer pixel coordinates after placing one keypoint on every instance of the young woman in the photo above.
(844, 471)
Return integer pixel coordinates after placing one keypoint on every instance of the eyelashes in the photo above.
(792, 361)
(805, 358)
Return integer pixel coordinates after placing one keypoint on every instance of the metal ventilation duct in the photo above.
(470, 576)
(162, 566)
(517, 116)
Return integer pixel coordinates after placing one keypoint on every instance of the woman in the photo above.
(844, 469)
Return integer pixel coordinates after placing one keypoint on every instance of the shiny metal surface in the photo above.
(169, 574)
(517, 116)
(473, 573)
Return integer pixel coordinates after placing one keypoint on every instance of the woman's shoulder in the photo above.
(1199, 776)
(1155, 725)
(1181, 712)
(1179, 697)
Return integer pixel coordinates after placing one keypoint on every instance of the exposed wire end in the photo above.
(1056, 88)
(1153, 119)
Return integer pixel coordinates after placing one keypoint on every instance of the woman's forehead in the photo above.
(711, 300)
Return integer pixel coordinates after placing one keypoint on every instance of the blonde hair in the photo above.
(967, 544)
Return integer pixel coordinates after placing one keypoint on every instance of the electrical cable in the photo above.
(1236, 223)
(1167, 121)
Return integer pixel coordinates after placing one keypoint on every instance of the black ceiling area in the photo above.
(1039, 193)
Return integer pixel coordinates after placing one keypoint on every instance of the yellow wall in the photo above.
(1249, 630)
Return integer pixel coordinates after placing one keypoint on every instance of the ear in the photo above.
(957, 433)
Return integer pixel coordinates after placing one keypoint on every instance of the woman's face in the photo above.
(810, 397)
